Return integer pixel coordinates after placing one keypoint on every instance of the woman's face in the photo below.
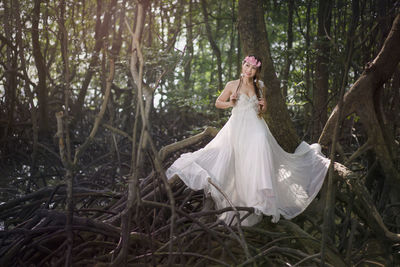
(248, 70)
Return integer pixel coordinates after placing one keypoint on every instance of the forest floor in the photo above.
(33, 219)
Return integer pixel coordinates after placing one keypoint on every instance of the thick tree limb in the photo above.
(167, 150)
(375, 75)
(360, 99)
(365, 206)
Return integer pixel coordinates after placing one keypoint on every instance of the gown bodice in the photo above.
(245, 102)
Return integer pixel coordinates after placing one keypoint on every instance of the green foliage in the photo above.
(167, 53)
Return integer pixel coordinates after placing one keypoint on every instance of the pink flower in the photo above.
(253, 61)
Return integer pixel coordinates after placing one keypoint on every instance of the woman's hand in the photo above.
(233, 98)
(262, 106)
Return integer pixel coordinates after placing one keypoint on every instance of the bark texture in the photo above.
(40, 63)
(254, 40)
(320, 90)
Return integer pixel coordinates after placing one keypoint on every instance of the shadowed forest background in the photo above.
(98, 98)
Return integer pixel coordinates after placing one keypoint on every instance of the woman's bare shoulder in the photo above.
(232, 84)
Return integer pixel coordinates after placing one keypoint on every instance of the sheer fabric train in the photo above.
(247, 163)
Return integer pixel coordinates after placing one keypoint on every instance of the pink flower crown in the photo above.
(253, 61)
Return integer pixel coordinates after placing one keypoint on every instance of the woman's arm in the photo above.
(226, 94)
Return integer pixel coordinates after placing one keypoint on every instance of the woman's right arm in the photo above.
(226, 94)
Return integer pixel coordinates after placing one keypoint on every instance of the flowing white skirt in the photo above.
(247, 163)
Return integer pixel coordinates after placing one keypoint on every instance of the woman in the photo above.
(245, 161)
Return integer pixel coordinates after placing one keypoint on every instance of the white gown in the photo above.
(247, 163)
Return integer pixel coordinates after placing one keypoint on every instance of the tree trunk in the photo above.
(102, 29)
(67, 144)
(308, 52)
(288, 49)
(11, 67)
(136, 161)
(213, 44)
(308, 69)
(254, 40)
(320, 92)
(189, 53)
(232, 41)
(41, 88)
